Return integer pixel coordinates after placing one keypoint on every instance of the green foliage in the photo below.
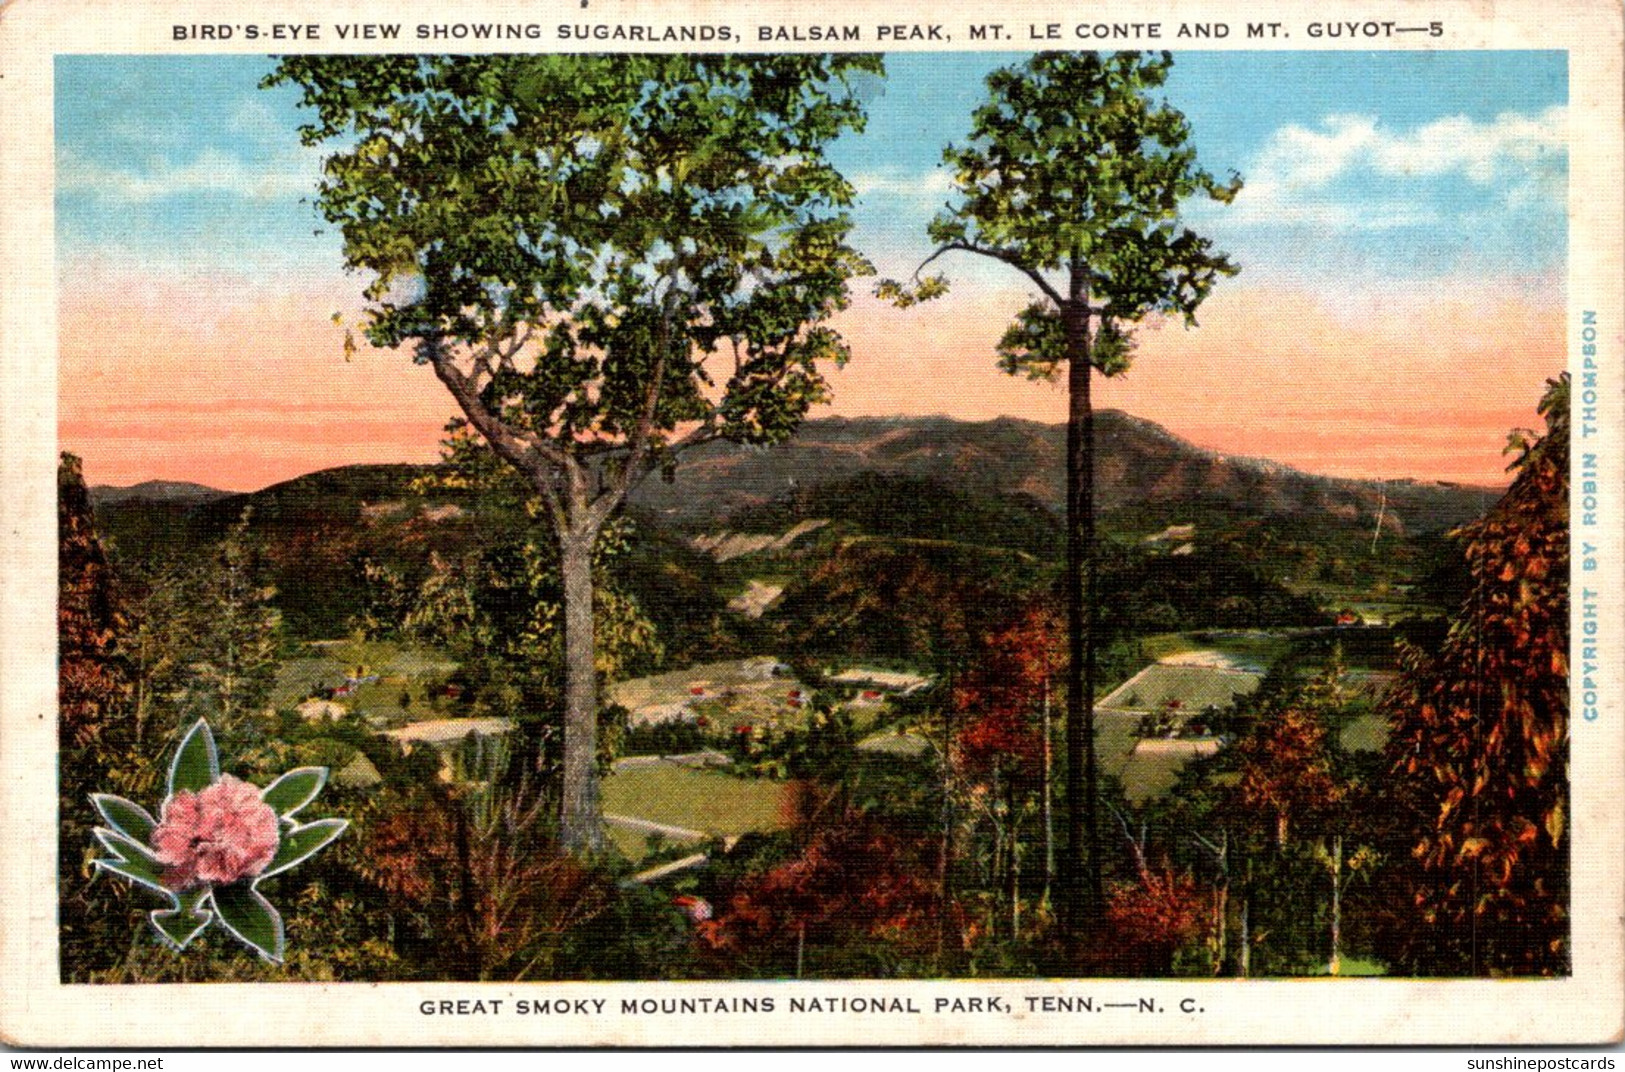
(1075, 166)
(631, 216)
(1073, 159)
(1209, 588)
(918, 601)
(593, 251)
(888, 504)
(498, 609)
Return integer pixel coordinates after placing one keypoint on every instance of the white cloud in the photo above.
(253, 116)
(1519, 158)
(1509, 145)
(211, 171)
(927, 189)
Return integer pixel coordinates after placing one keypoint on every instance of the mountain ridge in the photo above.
(1139, 462)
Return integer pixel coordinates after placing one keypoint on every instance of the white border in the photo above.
(36, 1010)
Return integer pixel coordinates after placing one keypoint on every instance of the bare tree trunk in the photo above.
(1335, 965)
(1049, 794)
(1082, 878)
(1013, 876)
(580, 828)
(1221, 898)
(1001, 845)
(1244, 955)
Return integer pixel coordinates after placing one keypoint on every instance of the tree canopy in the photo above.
(571, 240)
(604, 258)
(1075, 174)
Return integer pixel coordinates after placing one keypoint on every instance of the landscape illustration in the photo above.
(812, 516)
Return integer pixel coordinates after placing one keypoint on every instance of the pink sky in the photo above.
(209, 381)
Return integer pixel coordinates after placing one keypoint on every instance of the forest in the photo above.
(658, 674)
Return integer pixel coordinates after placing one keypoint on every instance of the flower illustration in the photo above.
(218, 837)
(222, 834)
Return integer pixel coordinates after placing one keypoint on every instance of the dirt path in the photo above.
(1218, 660)
(645, 826)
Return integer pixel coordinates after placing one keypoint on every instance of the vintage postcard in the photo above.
(732, 523)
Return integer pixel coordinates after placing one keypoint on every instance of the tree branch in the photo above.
(637, 446)
(998, 255)
(523, 452)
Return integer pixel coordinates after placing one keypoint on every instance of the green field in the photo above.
(1368, 733)
(1191, 688)
(1259, 648)
(400, 668)
(716, 805)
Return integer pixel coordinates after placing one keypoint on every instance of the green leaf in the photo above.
(250, 919)
(179, 925)
(126, 817)
(139, 872)
(301, 843)
(126, 849)
(196, 765)
(294, 790)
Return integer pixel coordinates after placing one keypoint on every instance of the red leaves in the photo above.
(852, 877)
(1004, 689)
(91, 675)
(1150, 920)
(1286, 770)
(1481, 727)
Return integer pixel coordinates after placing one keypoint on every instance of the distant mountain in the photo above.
(986, 488)
(1139, 464)
(1141, 468)
(168, 491)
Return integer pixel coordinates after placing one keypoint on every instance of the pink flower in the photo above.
(216, 836)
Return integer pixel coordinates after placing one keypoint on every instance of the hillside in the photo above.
(991, 488)
(176, 491)
(1139, 463)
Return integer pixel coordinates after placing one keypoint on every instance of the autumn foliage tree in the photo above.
(1005, 743)
(470, 865)
(1150, 920)
(93, 680)
(1286, 772)
(1481, 737)
(854, 888)
(93, 692)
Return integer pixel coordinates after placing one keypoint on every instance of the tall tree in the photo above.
(1074, 174)
(92, 673)
(234, 629)
(604, 259)
(93, 690)
(1480, 742)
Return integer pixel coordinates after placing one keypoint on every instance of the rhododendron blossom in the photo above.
(215, 839)
(217, 835)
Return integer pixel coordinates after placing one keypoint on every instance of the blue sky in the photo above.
(1401, 237)
(1383, 165)
(1388, 164)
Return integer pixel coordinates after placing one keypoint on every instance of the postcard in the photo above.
(732, 523)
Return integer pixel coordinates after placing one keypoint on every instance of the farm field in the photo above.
(1368, 733)
(708, 802)
(1189, 689)
(1251, 649)
(760, 683)
(391, 669)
